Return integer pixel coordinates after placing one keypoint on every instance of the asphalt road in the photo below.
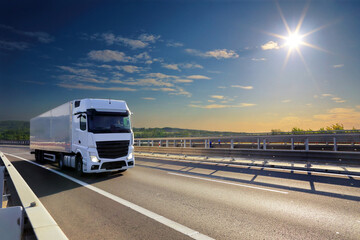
(217, 200)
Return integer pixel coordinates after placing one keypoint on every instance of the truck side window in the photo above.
(83, 122)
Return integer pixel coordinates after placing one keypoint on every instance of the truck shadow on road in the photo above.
(44, 182)
(276, 178)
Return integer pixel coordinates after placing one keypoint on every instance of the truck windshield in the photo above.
(109, 123)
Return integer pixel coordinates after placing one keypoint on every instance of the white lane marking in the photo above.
(252, 166)
(230, 183)
(167, 222)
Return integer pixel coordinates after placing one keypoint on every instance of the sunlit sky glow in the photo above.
(246, 66)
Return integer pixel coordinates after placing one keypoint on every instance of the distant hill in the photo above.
(177, 132)
(20, 130)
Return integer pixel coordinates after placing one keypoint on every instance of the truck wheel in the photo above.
(39, 156)
(61, 162)
(79, 167)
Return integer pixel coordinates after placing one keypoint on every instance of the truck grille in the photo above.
(113, 165)
(113, 149)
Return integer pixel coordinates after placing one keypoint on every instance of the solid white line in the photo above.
(252, 166)
(167, 222)
(230, 183)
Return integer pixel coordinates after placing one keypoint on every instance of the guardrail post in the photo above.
(152, 143)
(306, 144)
(258, 143)
(160, 144)
(139, 143)
(335, 144)
(264, 144)
(190, 143)
(184, 143)
(174, 143)
(148, 142)
(206, 143)
(2, 183)
(232, 144)
(167, 143)
(292, 144)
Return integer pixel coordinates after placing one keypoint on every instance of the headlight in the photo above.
(130, 156)
(94, 159)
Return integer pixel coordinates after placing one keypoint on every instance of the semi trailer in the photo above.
(90, 135)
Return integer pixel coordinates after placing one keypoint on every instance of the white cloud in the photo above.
(286, 101)
(217, 53)
(174, 44)
(178, 66)
(145, 82)
(109, 55)
(222, 87)
(149, 98)
(42, 37)
(258, 59)
(129, 68)
(211, 101)
(270, 45)
(338, 66)
(183, 81)
(77, 71)
(149, 37)
(242, 87)
(347, 116)
(171, 66)
(217, 96)
(198, 77)
(191, 65)
(181, 91)
(13, 45)
(90, 87)
(338, 100)
(326, 95)
(160, 75)
(215, 106)
(141, 42)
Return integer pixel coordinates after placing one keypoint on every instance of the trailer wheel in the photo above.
(79, 166)
(61, 162)
(39, 156)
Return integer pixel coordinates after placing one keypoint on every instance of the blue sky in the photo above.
(215, 65)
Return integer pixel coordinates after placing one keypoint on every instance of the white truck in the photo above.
(90, 135)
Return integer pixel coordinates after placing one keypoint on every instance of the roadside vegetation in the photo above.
(20, 130)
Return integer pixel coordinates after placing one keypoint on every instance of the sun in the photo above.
(293, 40)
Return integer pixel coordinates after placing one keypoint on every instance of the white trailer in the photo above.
(90, 135)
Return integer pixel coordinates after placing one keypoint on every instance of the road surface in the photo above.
(209, 200)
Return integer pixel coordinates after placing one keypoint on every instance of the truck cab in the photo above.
(102, 135)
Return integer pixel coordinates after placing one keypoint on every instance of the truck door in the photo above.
(80, 138)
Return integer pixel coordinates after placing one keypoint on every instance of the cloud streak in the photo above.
(242, 87)
(217, 53)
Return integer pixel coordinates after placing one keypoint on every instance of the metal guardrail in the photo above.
(44, 226)
(292, 142)
(14, 142)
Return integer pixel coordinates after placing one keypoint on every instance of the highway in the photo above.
(206, 200)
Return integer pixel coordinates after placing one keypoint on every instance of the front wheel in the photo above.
(79, 167)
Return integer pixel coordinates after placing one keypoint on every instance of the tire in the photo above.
(61, 162)
(39, 156)
(79, 166)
